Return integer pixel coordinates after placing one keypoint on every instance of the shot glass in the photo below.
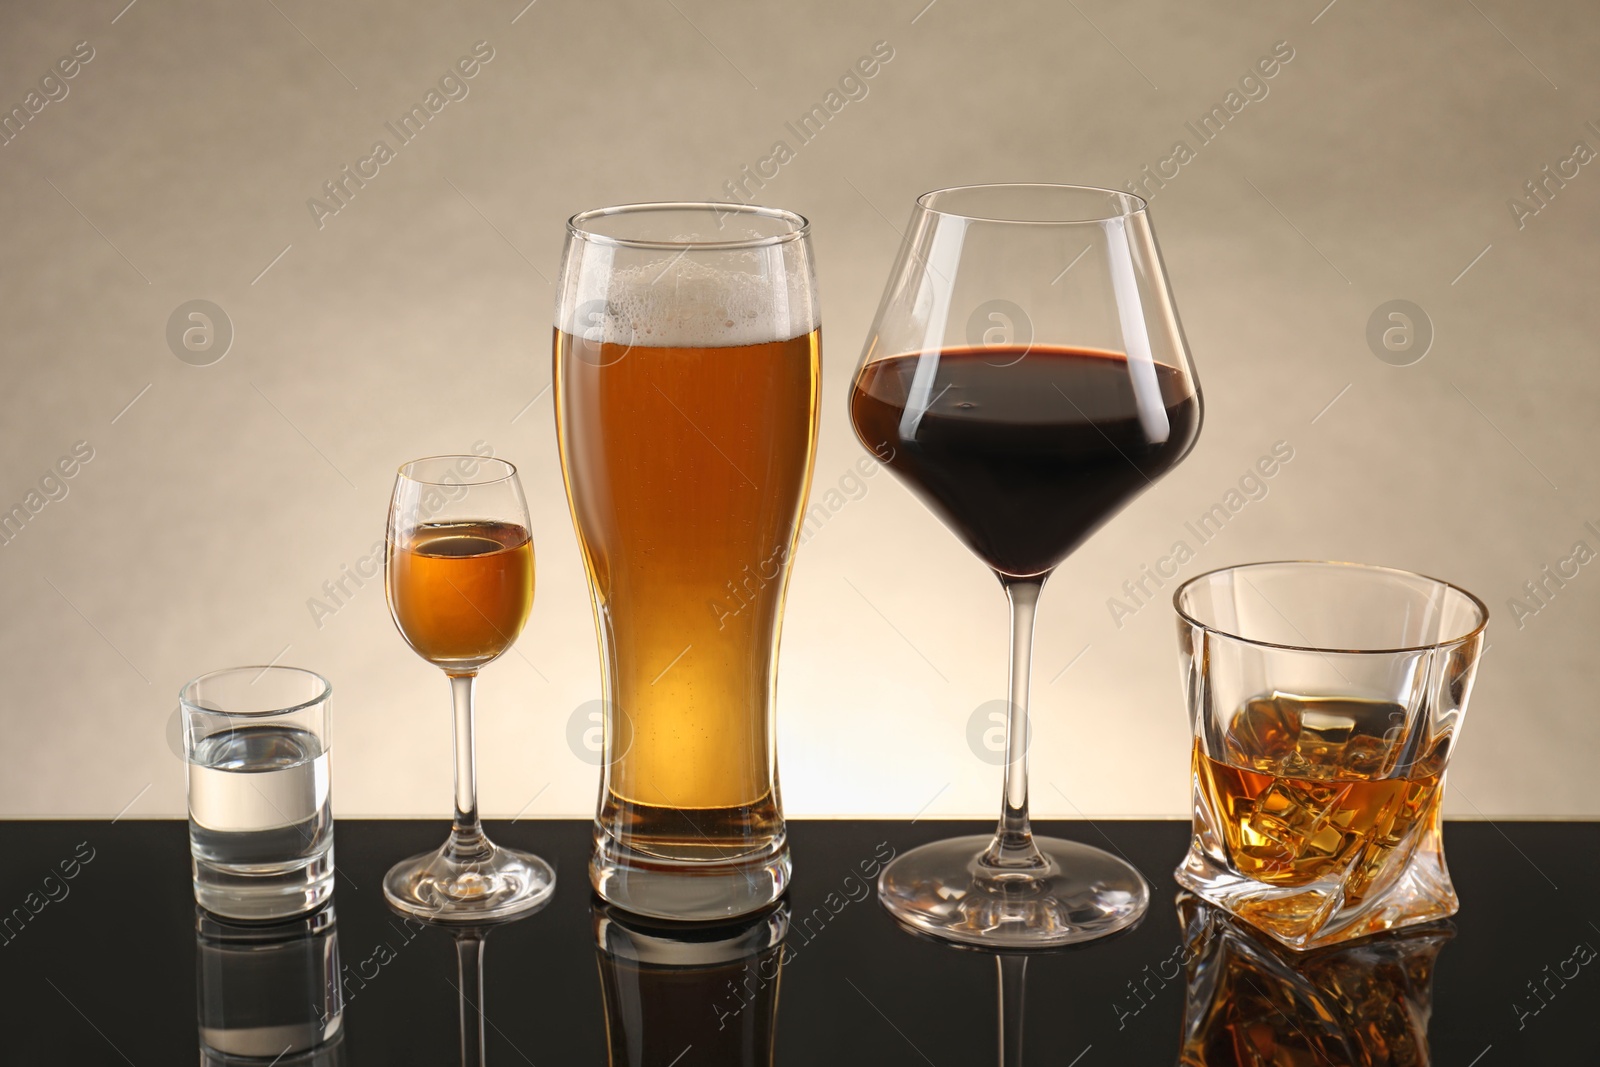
(1324, 699)
(269, 993)
(260, 821)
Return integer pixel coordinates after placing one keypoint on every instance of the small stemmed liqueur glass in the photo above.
(1026, 377)
(460, 584)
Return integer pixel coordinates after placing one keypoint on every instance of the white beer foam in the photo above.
(678, 302)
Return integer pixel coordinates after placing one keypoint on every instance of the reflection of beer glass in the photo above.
(671, 988)
(686, 375)
(1365, 1003)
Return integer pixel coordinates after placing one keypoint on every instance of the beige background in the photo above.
(416, 321)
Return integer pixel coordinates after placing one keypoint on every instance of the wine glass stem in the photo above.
(1013, 839)
(467, 842)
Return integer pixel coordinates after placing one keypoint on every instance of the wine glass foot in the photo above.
(500, 884)
(1082, 893)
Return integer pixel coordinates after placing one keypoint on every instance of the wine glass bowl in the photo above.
(459, 578)
(1026, 377)
(985, 449)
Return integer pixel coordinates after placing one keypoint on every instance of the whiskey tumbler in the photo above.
(1325, 699)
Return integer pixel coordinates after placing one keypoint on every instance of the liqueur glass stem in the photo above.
(466, 837)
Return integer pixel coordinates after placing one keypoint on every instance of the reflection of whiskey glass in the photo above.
(1251, 1004)
(1325, 698)
(669, 988)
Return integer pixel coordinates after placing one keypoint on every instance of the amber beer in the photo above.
(687, 370)
(687, 469)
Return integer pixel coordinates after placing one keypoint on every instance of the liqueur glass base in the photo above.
(498, 883)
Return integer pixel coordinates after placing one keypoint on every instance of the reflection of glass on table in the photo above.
(670, 988)
(469, 991)
(1011, 978)
(1253, 1003)
(269, 992)
(471, 943)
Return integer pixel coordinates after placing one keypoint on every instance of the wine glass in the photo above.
(1026, 377)
(459, 577)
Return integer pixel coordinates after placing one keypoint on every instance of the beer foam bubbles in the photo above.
(676, 301)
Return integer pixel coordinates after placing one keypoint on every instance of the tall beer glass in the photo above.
(687, 366)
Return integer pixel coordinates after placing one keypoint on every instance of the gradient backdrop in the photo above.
(1385, 160)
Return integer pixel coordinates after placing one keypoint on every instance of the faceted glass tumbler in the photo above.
(1324, 699)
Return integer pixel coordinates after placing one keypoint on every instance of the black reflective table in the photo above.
(101, 967)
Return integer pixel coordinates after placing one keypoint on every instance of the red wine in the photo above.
(1025, 452)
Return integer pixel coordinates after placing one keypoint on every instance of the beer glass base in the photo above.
(687, 890)
(438, 887)
(941, 890)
